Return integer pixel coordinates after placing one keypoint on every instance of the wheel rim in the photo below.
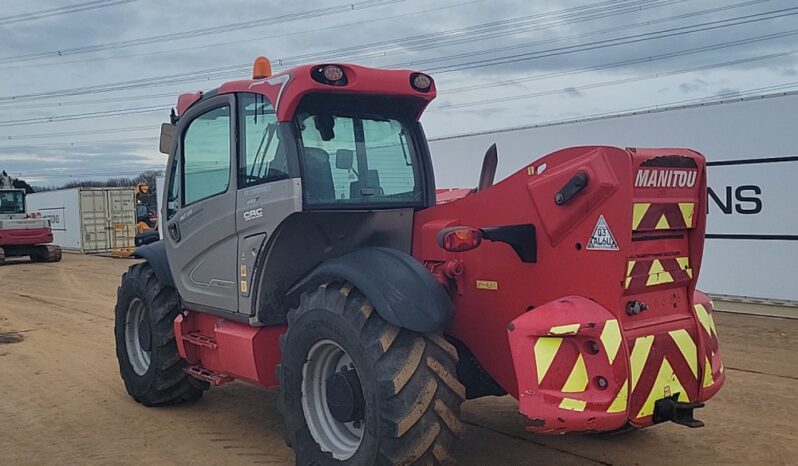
(135, 331)
(341, 439)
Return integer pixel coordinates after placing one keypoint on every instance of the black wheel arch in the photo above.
(402, 291)
(155, 255)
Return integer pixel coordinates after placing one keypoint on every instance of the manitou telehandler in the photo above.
(21, 233)
(306, 248)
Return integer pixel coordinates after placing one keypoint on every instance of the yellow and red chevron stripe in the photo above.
(644, 273)
(652, 216)
(565, 369)
(712, 364)
(662, 365)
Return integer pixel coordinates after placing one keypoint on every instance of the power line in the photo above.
(108, 174)
(78, 133)
(779, 88)
(76, 8)
(471, 54)
(79, 143)
(51, 105)
(561, 38)
(613, 42)
(224, 72)
(303, 15)
(644, 59)
(616, 82)
(336, 27)
(228, 71)
(782, 88)
(622, 63)
(83, 116)
(494, 29)
(606, 43)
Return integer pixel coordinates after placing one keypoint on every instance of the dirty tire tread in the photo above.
(419, 403)
(165, 382)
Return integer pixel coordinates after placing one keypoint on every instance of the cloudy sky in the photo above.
(84, 85)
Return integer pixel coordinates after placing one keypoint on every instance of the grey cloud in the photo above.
(694, 85)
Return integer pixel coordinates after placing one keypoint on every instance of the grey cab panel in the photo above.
(261, 209)
(200, 239)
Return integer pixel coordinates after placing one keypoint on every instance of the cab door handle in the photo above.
(174, 231)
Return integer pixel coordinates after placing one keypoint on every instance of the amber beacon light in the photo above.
(262, 68)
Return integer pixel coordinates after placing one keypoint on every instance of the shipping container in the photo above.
(751, 145)
(89, 220)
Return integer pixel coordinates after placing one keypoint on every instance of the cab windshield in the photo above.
(12, 202)
(355, 154)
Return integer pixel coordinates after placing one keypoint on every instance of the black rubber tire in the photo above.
(165, 382)
(412, 395)
(2, 255)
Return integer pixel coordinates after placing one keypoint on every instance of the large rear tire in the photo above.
(145, 341)
(358, 390)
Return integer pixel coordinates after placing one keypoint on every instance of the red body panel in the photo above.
(655, 353)
(234, 349)
(25, 237)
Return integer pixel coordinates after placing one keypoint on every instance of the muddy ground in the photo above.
(62, 401)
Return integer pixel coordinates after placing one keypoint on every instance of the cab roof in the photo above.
(286, 88)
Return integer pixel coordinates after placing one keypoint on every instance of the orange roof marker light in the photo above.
(262, 68)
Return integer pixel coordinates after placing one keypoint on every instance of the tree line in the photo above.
(144, 177)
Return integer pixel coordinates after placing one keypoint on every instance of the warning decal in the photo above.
(602, 238)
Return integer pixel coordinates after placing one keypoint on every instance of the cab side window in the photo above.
(262, 158)
(206, 156)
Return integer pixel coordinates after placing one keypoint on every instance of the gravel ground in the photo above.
(62, 400)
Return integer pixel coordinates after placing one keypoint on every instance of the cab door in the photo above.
(200, 228)
(269, 188)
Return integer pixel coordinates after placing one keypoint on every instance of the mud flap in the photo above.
(571, 364)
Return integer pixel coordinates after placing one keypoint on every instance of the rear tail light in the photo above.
(420, 82)
(459, 239)
(332, 75)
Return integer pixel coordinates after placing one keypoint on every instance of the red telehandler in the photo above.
(306, 248)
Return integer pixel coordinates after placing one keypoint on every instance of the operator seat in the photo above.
(318, 185)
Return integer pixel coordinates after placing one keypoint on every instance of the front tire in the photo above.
(358, 390)
(145, 341)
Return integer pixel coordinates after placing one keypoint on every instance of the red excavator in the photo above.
(23, 234)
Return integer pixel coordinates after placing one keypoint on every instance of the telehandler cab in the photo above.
(306, 248)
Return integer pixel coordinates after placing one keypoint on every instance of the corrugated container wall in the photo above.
(89, 220)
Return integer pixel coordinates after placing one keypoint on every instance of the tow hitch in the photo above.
(680, 412)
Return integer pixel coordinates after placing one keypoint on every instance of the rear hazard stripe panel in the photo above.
(642, 274)
(648, 216)
(662, 365)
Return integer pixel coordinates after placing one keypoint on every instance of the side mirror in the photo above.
(325, 125)
(168, 132)
(344, 159)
